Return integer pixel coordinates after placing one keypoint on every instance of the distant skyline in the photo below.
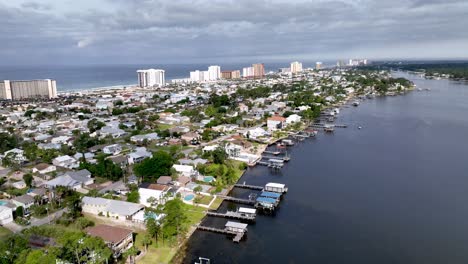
(230, 31)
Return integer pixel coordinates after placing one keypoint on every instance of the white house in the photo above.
(43, 168)
(61, 140)
(6, 215)
(118, 210)
(294, 118)
(113, 149)
(256, 133)
(65, 162)
(275, 122)
(185, 170)
(156, 192)
(141, 138)
(15, 154)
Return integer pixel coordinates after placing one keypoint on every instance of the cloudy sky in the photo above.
(183, 31)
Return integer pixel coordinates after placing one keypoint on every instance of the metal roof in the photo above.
(275, 185)
(236, 225)
(270, 194)
(266, 200)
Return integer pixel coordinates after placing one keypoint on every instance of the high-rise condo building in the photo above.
(151, 78)
(17, 90)
(258, 70)
(214, 73)
(296, 67)
(248, 72)
(230, 74)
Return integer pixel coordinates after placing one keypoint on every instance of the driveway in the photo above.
(15, 228)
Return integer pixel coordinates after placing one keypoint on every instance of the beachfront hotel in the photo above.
(256, 71)
(17, 90)
(151, 78)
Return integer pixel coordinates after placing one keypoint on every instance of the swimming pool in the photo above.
(208, 179)
(189, 197)
(3, 202)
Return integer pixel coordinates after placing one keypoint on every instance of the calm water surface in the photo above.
(395, 191)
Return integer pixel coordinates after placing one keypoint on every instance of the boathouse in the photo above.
(236, 227)
(275, 187)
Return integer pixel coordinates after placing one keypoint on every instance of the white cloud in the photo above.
(85, 42)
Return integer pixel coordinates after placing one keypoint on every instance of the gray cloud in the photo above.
(148, 31)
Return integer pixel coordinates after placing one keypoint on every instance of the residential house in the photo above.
(114, 149)
(66, 162)
(185, 170)
(191, 137)
(6, 215)
(114, 132)
(150, 191)
(118, 239)
(276, 122)
(138, 155)
(73, 180)
(43, 168)
(15, 154)
(24, 200)
(118, 210)
(164, 180)
(139, 139)
(294, 118)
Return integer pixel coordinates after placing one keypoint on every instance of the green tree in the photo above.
(28, 179)
(153, 168)
(219, 155)
(174, 223)
(153, 228)
(94, 125)
(133, 196)
(19, 211)
(146, 241)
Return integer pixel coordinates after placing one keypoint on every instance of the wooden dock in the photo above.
(322, 125)
(233, 215)
(237, 235)
(272, 152)
(247, 186)
(237, 200)
(284, 158)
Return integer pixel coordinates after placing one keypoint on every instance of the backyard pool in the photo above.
(189, 197)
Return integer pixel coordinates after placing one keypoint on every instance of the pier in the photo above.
(247, 186)
(237, 200)
(233, 215)
(322, 125)
(284, 158)
(236, 229)
(272, 152)
(270, 164)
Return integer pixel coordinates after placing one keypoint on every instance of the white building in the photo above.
(185, 170)
(66, 162)
(214, 73)
(6, 215)
(294, 118)
(296, 67)
(275, 123)
(153, 194)
(247, 72)
(117, 210)
(151, 78)
(16, 90)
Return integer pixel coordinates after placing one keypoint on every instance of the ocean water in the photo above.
(71, 78)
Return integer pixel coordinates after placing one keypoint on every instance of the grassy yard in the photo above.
(216, 203)
(203, 199)
(4, 233)
(159, 253)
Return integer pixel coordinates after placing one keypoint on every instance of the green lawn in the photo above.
(204, 199)
(4, 233)
(215, 205)
(159, 253)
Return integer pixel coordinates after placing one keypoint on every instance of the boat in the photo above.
(356, 103)
(329, 128)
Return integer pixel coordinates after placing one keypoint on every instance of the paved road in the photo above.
(15, 228)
